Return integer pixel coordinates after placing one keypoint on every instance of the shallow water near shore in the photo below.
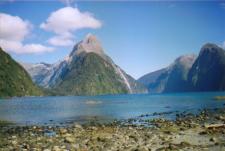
(82, 109)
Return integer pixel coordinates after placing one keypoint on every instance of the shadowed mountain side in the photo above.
(188, 73)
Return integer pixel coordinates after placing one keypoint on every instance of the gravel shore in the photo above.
(205, 131)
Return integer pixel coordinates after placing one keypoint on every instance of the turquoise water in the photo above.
(65, 109)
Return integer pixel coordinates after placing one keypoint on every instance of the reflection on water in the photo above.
(40, 110)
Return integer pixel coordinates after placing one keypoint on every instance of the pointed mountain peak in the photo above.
(90, 38)
(90, 44)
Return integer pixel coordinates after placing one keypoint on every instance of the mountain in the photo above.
(86, 71)
(178, 74)
(188, 73)
(151, 77)
(155, 81)
(39, 72)
(172, 78)
(14, 80)
(208, 71)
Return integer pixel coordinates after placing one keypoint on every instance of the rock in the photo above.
(69, 140)
(143, 148)
(172, 147)
(168, 132)
(78, 126)
(25, 146)
(13, 137)
(213, 139)
(184, 144)
(94, 128)
(62, 131)
(216, 143)
(76, 146)
(14, 142)
(134, 137)
(203, 133)
(56, 148)
(220, 118)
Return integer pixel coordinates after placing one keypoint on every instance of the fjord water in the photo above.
(63, 109)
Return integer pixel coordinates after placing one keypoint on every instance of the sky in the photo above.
(140, 37)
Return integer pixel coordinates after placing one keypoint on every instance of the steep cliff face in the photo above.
(178, 74)
(208, 71)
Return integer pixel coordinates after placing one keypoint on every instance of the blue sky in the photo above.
(139, 36)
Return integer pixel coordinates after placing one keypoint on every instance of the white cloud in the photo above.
(13, 30)
(61, 40)
(13, 27)
(36, 48)
(67, 20)
(9, 45)
(19, 48)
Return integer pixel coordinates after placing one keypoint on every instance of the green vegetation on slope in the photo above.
(89, 74)
(14, 80)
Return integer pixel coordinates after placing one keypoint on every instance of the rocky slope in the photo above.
(14, 80)
(86, 71)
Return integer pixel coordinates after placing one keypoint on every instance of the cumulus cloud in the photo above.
(13, 27)
(67, 20)
(20, 48)
(13, 31)
(62, 40)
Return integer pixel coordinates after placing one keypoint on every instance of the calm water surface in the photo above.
(63, 109)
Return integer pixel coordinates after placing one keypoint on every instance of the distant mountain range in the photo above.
(86, 71)
(206, 72)
(14, 80)
(89, 71)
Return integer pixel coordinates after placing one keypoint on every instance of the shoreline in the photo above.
(205, 131)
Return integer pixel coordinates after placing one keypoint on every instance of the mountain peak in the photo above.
(210, 48)
(89, 44)
(186, 59)
(90, 38)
